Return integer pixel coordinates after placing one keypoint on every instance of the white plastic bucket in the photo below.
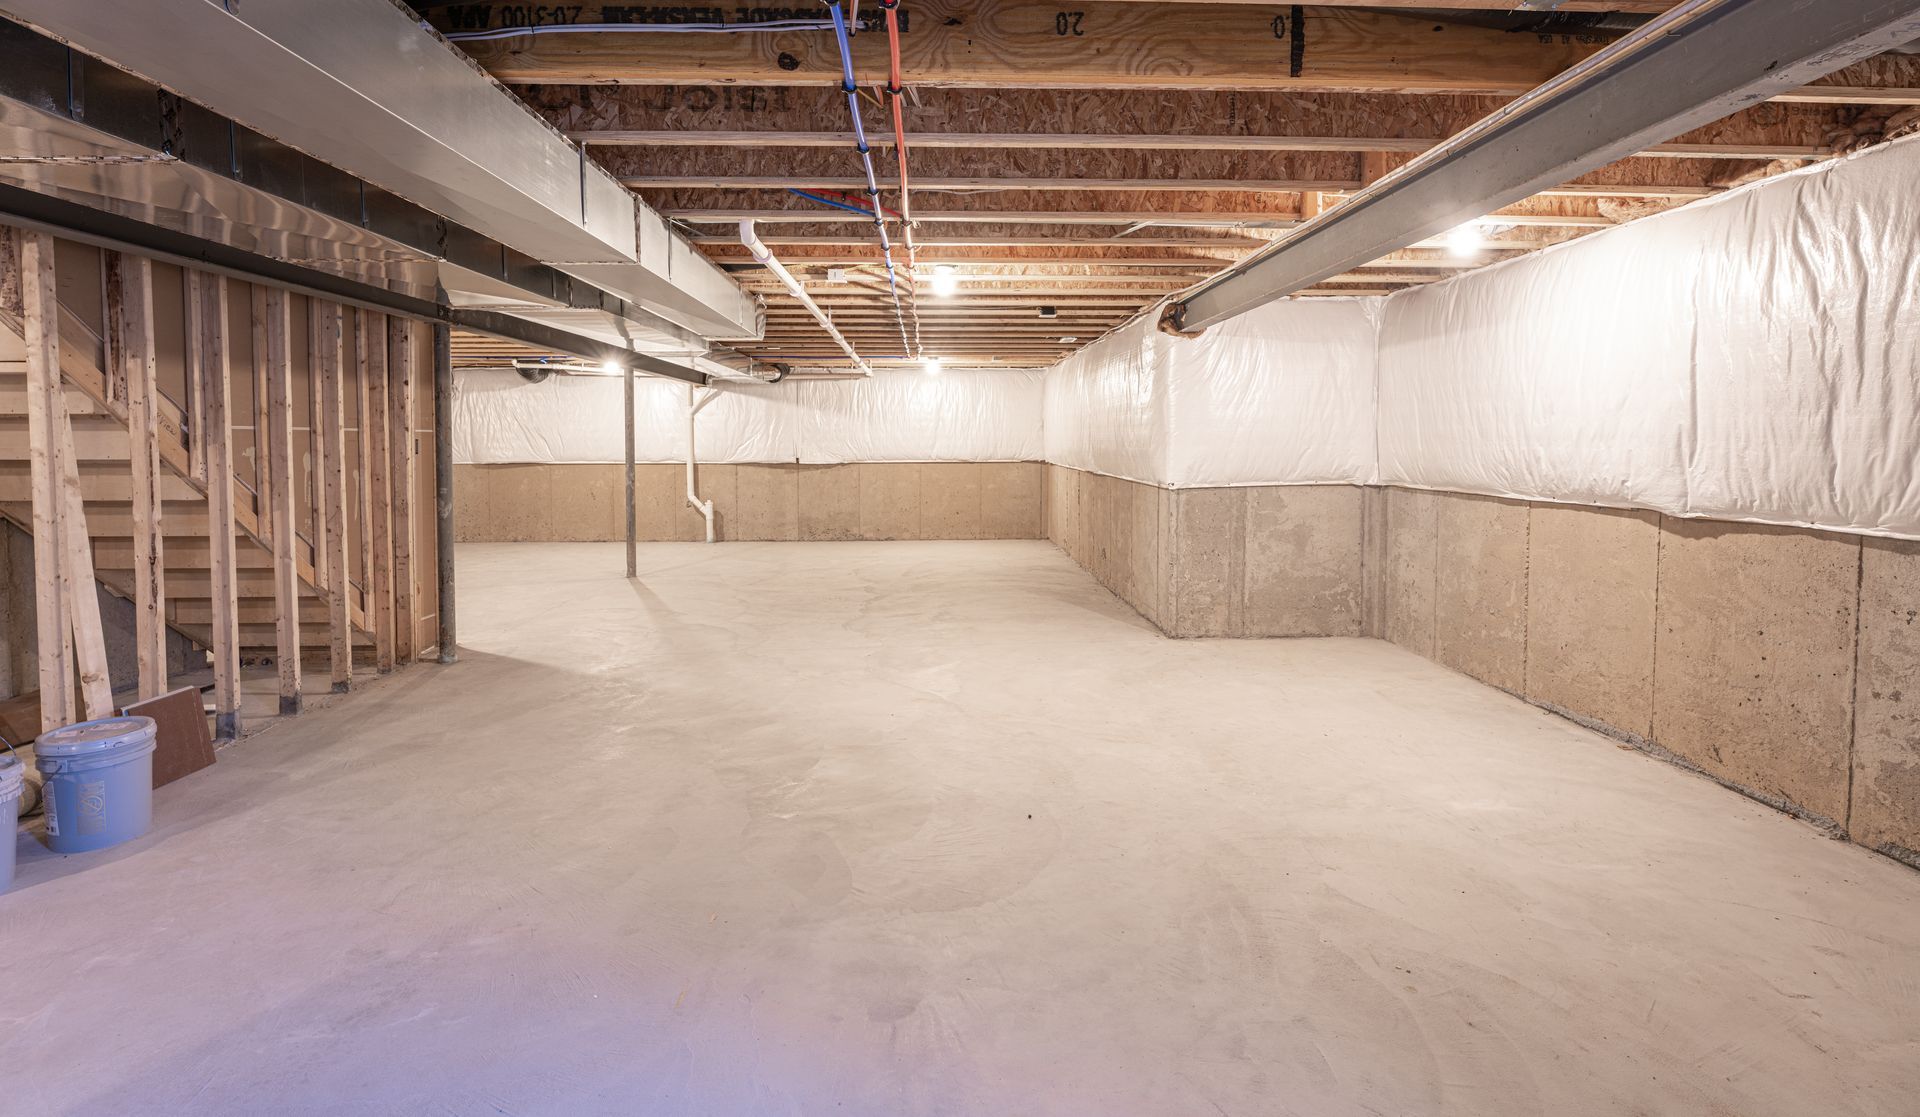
(13, 775)
(99, 782)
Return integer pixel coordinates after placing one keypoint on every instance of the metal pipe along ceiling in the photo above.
(1695, 64)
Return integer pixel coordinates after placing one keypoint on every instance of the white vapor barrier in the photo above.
(1279, 395)
(1106, 405)
(961, 415)
(1756, 357)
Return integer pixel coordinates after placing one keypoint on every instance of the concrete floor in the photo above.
(899, 828)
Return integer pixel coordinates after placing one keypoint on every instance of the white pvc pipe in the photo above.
(765, 256)
(705, 507)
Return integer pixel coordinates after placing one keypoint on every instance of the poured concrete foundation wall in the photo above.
(867, 500)
(1270, 560)
(1779, 661)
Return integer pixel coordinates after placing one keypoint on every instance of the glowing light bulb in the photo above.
(945, 283)
(1466, 240)
(932, 365)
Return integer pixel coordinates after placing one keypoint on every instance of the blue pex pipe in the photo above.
(852, 90)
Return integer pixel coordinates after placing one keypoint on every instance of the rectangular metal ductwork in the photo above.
(362, 86)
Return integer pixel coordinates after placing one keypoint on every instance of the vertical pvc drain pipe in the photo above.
(695, 402)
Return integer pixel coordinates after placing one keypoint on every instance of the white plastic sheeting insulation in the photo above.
(987, 415)
(1280, 395)
(1106, 406)
(1756, 357)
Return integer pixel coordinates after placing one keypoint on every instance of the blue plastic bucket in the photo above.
(13, 776)
(99, 782)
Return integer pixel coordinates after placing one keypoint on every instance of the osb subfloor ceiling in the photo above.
(1092, 161)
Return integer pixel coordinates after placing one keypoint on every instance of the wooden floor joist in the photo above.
(1003, 141)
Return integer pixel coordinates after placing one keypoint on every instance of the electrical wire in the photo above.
(852, 90)
(629, 28)
(895, 90)
(825, 201)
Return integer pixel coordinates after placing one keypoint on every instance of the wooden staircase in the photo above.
(103, 446)
(78, 447)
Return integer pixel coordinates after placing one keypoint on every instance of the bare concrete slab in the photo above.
(1885, 809)
(1590, 594)
(1754, 681)
(920, 828)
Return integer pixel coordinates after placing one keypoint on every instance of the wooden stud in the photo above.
(40, 308)
(330, 456)
(76, 576)
(207, 321)
(375, 420)
(132, 329)
(275, 439)
(406, 600)
(261, 371)
(365, 352)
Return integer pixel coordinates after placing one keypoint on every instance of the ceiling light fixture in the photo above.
(945, 283)
(1466, 240)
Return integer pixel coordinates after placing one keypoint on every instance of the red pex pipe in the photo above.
(894, 91)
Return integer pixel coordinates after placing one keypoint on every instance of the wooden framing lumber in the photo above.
(276, 440)
(131, 326)
(1001, 141)
(76, 575)
(39, 308)
(207, 321)
(375, 419)
(259, 373)
(1011, 43)
(406, 597)
(330, 457)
